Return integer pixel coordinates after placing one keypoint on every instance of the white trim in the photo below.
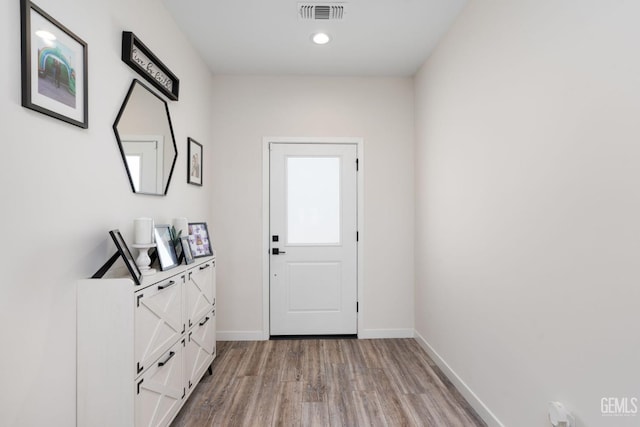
(483, 411)
(265, 238)
(240, 336)
(370, 334)
(265, 218)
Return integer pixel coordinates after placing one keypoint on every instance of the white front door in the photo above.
(313, 239)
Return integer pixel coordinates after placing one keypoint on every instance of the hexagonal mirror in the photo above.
(145, 137)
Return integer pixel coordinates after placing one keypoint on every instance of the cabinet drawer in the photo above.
(160, 390)
(200, 348)
(158, 320)
(200, 291)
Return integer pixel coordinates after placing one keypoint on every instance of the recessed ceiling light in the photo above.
(45, 35)
(320, 38)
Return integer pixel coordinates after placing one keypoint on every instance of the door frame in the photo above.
(266, 174)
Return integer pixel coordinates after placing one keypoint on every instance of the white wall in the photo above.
(245, 110)
(528, 205)
(62, 188)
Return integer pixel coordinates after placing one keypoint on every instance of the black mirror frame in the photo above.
(121, 148)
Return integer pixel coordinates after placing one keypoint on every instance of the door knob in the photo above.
(276, 251)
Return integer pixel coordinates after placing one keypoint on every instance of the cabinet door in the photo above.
(200, 291)
(158, 320)
(160, 390)
(201, 348)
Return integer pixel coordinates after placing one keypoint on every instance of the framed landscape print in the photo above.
(54, 67)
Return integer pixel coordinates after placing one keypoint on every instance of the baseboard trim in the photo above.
(370, 334)
(240, 336)
(366, 334)
(483, 411)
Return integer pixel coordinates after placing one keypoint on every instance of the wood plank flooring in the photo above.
(325, 382)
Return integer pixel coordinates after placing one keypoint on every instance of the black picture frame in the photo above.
(55, 78)
(186, 250)
(199, 241)
(126, 255)
(194, 162)
(165, 247)
(140, 58)
(177, 245)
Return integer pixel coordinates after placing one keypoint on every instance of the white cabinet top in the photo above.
(119, 271)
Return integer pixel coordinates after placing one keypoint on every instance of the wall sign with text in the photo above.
(137, 56)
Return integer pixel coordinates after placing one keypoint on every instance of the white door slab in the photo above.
(313, 229)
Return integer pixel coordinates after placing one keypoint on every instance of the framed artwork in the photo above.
(54, 68)
(186, 250)
(194, 159)
(126, 255)
(199, 239)
(140, 58)
(165, 248)
(177, 244)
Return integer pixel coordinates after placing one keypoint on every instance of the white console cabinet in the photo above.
(142, 349)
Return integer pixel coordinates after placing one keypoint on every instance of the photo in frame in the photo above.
(165, 247)
(177, 244)
(186, 250)
(126, 255)
(54, 67)
(199, 239)
(194, 159)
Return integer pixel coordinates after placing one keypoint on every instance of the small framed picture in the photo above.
(194, 166)
(54, 68)
(165, 247)
(186, 250)
(125, 253)
(199, 239)
(177, 244)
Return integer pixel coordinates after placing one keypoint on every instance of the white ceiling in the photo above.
(265, 37)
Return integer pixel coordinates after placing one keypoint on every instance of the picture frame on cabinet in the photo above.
(199, 240)
(54, 67)
(165, 247)
(126, 255)
(177, 243)
(186, 250)
(195, 162)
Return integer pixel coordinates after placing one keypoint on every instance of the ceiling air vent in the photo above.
(321, 12)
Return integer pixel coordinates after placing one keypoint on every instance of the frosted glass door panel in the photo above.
(313, 200)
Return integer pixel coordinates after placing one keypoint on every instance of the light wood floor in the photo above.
(331, 382)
